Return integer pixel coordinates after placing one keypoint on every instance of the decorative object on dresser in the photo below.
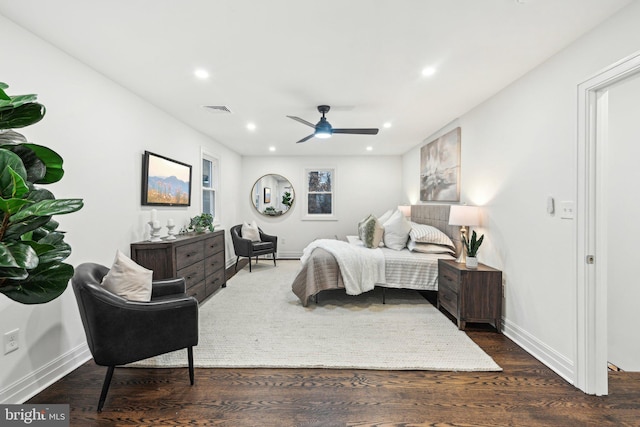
(470, 295)
(199, 258)
(202, 222)
(464, 216)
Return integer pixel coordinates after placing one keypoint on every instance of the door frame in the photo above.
(591, 291)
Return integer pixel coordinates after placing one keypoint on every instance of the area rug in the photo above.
(257, 322)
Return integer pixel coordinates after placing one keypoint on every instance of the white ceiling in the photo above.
(270, 59)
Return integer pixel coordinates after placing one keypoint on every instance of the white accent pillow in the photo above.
(250, 231)
(396, 231)
(423, 233)
(370, 231)
(429, 248)
(385, 216)
(128, 279)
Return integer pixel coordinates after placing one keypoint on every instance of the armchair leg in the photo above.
(105, 387)
(190, 355)
(236, 268)
(274, 259)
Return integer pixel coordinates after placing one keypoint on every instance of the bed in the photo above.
(322, 261)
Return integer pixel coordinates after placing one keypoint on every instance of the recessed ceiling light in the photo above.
(369, 148)
(251, 126)
(201, 73)
(429, 71)
(272, 148)
(387, 125)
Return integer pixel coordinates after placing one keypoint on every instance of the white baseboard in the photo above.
(555, 361)
(32, 384)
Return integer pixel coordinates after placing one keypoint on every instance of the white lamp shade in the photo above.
(405, 209)
(464, 215)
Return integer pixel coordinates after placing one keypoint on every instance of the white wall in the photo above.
(101, 130)
(623, 227)
(518, 148)
(363, 185)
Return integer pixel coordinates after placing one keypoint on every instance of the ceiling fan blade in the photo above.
(305, 139)
(370, 131)
(303, 121)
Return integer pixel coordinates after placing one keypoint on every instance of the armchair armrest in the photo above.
(161, 288)
(243, 247)
(268, 238)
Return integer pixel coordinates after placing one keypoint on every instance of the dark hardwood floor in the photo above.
(526, 393)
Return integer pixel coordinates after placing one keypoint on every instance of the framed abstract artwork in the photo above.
(440, 169)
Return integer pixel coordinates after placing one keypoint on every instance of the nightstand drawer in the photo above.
(448, 299)
(448, 278)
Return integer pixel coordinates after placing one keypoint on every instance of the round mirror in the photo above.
(272, 195)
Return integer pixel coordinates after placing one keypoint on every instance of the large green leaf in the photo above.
(16, 101)
(10, 164)
(13, 205)
(21, 116)
(11, 137)
(18, 255)
(57, 254)
(48, 208)
(13, 273)
(52, 162)
(44, 284)
(36, 169)
(17, 229)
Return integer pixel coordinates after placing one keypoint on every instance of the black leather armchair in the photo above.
(246, 248)
(120, 331)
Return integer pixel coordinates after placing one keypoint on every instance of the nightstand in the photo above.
(470, 294)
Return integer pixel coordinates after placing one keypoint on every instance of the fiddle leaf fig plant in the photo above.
(32, 249)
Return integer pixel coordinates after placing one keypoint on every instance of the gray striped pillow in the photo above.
(423, 233)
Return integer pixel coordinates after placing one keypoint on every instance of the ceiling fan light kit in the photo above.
(323, 128)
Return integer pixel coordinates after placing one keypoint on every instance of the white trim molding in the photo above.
(591, 287)
(32, 384)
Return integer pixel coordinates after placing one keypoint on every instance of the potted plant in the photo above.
(32, 250)
(287, 200)
(202, 222)
(472, 249)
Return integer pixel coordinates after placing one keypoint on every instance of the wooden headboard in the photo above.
(437, 216)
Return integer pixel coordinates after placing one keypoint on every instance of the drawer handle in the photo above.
(447, 277)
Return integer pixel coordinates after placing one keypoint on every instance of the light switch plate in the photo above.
(567, 210)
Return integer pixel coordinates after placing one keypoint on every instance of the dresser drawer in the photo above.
(213, 245)
(448, 278)
(198, 291)
(188, 254)
(192, 274)
(215, 280)
(214, 263)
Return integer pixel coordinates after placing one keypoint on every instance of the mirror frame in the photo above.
(276, 197)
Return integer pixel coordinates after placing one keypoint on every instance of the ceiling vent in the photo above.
(217, 108)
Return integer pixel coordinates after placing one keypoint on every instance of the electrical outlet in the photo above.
(283, 241)
(11, 341)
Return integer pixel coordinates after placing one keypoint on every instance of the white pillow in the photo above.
(128, 279)
(385, 216)
(250, 231)
(370, 231)
(423, 233)
(429, 248)
(396, 231)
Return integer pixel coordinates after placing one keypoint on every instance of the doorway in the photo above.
(592, 208)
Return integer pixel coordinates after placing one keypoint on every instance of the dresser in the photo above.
(470, 294)
(198, 257)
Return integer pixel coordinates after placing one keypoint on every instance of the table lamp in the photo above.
(464, 216)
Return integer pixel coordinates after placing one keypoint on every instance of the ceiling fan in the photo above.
(323, 128)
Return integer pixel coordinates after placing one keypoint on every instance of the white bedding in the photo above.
(406, 269)
(361, 268)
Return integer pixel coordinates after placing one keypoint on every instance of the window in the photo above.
(320, 198)
(210, 169)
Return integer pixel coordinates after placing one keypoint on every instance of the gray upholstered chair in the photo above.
(120, 331)
(246, 248)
